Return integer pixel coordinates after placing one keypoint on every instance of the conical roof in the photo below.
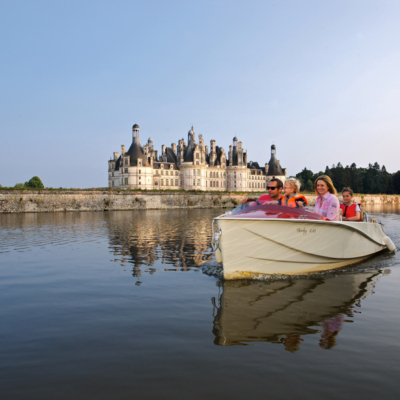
(135, 153)
(274, 166)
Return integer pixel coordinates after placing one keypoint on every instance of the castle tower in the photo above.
(274, 167)
(135, 134)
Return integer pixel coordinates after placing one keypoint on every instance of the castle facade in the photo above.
(191, 166)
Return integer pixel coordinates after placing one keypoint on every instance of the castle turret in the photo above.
(274, 167)
(135, 133)
(136, 151)
(213, 152)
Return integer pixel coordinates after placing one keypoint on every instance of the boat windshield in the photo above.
(255, 209)
(245, 205)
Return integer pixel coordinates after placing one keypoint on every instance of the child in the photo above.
(292, 198)
(351, 211)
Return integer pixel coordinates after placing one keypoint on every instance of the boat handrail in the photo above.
(215, 236)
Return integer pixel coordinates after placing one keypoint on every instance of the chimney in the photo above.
(163, 149)
(122, 149)
(115, 156)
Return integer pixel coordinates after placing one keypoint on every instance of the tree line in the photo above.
(371, 180)
(33, 183)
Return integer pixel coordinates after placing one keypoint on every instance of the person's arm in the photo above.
(301, 203)
(355, 218)
(333, 209)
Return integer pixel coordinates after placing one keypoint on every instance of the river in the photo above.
(114, 305)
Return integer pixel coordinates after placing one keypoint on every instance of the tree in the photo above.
(19, 186)
(34, 183)
(304, 176)
(309, 186)
(395, 183)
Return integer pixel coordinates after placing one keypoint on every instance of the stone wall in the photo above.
(15, 201)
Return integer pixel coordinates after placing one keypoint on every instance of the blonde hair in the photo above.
(294, 183)
(328, 182)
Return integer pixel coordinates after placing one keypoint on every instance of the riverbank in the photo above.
(21, 201)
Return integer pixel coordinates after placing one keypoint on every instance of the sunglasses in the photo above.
(272, 187)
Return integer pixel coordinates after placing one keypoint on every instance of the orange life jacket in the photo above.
(348, 211)
(292, 201)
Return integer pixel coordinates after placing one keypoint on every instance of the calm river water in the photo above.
(114, 305)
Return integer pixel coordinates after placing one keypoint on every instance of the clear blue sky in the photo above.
(320, 79)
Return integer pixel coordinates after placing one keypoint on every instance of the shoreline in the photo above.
(23, 201)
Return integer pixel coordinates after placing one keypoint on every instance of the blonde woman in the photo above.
(292, 197)
(327, 204)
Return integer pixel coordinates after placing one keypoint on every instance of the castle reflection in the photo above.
(284, 312)
(178, 239)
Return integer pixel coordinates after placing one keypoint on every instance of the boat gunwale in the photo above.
(288, 220)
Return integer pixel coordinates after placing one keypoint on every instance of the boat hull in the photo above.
(253, 247)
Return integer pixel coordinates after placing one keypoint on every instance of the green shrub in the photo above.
(34, 183)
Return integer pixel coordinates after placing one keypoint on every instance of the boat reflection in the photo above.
(284, 311)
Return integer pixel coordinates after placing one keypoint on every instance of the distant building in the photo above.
(192, 166)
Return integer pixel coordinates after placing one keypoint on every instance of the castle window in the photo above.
(176, 173)
(197, 163)
(162, 182)
(198, 182)
(197, 156)
(126, 181)
(176, 182)
(140, 171)
(198, 172)
(194, 182)
(126, 170)
(162, 172)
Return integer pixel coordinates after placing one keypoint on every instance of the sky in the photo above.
(319, 79)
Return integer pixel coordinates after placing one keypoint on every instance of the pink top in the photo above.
(330, 206)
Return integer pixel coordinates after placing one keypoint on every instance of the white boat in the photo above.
(254, 239)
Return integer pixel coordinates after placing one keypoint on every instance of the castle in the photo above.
(194, 166)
